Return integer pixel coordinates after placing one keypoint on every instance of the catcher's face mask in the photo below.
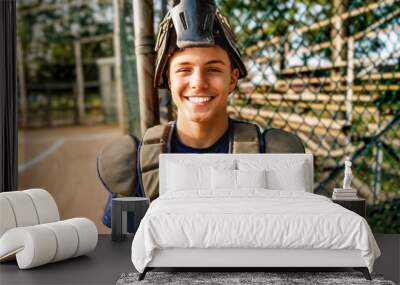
(193, 23)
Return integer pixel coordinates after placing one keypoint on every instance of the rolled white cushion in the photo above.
(87, 235)
(26, 208)
(23, 208)
(45, 243)
(7, 218)
(67, 239)
(33, 246)
(45, 205)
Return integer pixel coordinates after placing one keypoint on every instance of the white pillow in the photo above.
(188, 175)
(292, 178)
(223, 179)
(183, 177)
(280, 174)
(251, 178)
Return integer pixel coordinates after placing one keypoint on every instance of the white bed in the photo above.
(201, 219)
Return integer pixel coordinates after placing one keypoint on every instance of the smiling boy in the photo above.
(200, 80)
(198, 61)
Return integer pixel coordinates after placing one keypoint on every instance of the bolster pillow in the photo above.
(26, 208)
(40, 244)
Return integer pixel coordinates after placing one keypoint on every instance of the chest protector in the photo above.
(157, 140)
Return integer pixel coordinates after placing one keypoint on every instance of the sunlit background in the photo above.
(325, 70)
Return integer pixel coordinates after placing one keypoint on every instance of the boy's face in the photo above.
(200, 80)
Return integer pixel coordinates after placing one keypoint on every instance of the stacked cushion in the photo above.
(31, 232)
(41, 244)
(7, 218)
(27, 208)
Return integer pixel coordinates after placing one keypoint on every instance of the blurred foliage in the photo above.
(385, 217)
(47, 30)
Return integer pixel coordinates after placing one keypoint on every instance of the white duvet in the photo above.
(256, 218)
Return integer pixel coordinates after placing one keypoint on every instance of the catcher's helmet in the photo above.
(193, 23)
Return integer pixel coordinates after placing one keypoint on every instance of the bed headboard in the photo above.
(267, 158)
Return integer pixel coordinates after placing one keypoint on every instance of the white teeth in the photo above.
(199, 99)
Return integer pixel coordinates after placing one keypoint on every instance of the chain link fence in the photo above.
(329, 72)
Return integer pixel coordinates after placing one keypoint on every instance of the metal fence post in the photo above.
(118, 73)
(80, 81)
(144, 49)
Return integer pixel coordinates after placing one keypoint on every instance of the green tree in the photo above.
(48, 28)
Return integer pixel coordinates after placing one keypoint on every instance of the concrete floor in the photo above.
(63, 161)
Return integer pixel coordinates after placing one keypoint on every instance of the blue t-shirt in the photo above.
(220, 146)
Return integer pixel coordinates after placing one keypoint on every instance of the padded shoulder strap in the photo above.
(116, 165)
(156, 140)
(245, 137)
(280, 141)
